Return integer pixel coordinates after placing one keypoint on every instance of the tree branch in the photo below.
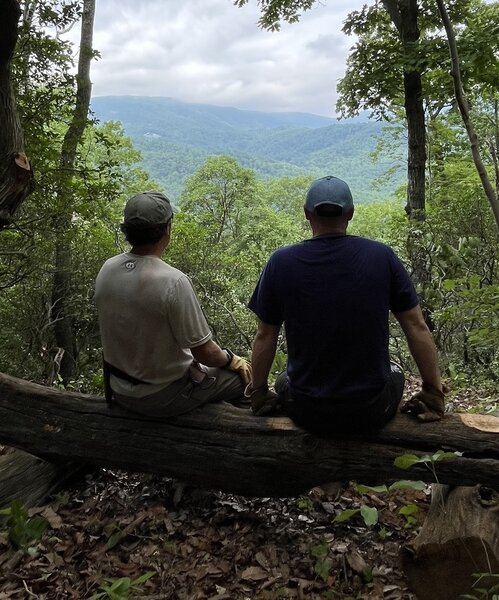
(465, 112)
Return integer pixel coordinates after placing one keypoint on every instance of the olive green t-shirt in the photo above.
(149, 318)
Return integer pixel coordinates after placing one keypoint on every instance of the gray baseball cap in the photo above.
(147, 209)
(329, 190)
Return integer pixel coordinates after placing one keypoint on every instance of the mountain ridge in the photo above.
(176, 137)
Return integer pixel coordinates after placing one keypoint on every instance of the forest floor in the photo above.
(145, 535)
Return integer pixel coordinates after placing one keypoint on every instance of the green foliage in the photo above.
(406, 461)
(375, 67)
(409, 511)
(305, 504)
(369, 515)
(23, 530)
(236, 210)
(490, 592)
(323, 564)
(184, 136)
(122, 588)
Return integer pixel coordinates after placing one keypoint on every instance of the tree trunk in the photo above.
(459, 538)
(30, 478)
(61, 288)
(224, 448)
(16, 176)
(404, 15)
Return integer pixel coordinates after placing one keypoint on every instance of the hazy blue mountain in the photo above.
(176, 137)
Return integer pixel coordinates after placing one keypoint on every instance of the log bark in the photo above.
(31, 479)
(16, 176)
(459, 538)
(225, 448)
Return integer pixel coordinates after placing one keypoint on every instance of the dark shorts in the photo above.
(329, 415)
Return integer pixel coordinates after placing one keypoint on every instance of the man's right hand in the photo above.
(263, 400)
(427, 405)
(240, 366)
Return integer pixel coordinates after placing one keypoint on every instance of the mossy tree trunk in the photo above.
(16, 176)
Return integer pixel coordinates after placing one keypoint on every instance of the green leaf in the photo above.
(363, 489)
(323, 568)
(319, 551)
(114, 539)
(346, 515)
(441, 455)
(406, 461)
(408, 509)
(143, 578)
(406, 484)
(369, 514)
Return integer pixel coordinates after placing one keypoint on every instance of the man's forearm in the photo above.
(424, 352)
(210, 354)
(264, 349)
(421, 345)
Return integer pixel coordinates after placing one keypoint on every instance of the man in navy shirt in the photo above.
(334, 293)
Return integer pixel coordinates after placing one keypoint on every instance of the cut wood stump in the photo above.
(459, 538)
(225, 448)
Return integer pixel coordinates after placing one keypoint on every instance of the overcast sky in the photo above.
(209, 51)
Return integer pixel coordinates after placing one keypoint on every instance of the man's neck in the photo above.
(320, 231)
(149, 250)
(156, 249)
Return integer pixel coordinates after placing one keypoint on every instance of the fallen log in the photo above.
(31, 479)
(459, 539)
(225, 448)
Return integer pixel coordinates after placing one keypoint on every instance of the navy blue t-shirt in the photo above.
(334, 295)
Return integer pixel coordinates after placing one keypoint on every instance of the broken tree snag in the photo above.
(31, 479)
(459, 538)
(228, 449)
(16, 176)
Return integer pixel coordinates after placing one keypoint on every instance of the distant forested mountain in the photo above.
(176, 137)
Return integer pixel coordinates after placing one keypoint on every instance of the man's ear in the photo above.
(349, 214)
(308, 214)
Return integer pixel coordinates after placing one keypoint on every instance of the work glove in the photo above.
(427, 405)
(263, 400)
(239, 365)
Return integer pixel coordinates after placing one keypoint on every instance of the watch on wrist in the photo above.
(230, 356)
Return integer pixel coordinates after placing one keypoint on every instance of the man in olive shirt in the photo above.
(159, 355)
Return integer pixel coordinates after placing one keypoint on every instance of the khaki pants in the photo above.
(193, 390)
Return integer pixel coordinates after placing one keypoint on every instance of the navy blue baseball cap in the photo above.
(329, 190)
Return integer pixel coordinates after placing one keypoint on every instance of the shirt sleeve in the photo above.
(403, 295)
(187, 320)
(264, 301)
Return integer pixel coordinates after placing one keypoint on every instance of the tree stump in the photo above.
(459, 538)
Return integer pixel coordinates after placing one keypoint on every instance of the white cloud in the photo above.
(209, 51)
